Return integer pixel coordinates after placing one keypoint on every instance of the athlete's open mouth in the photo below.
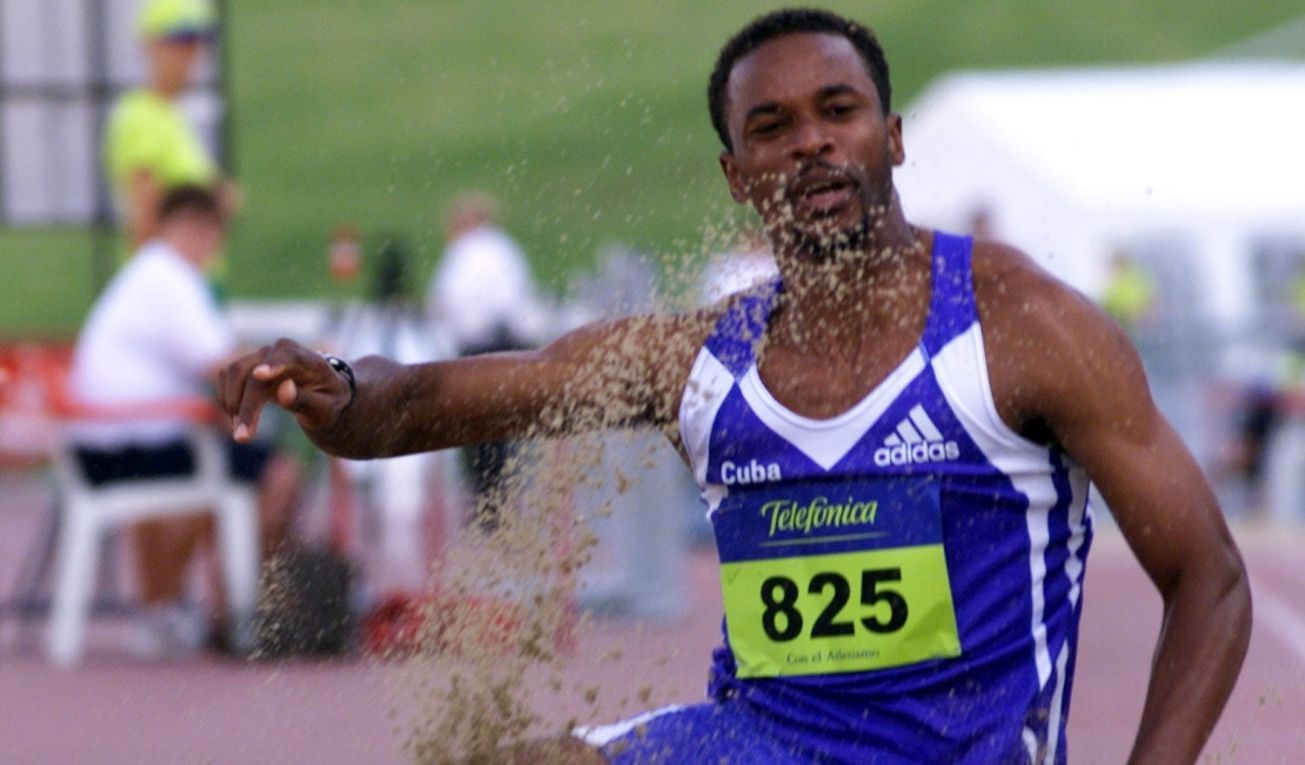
(822, 193)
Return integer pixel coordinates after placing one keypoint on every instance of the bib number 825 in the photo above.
(783, 622)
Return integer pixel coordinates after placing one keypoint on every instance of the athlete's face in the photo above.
(813, 151)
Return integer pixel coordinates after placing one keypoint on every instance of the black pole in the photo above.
(103, 235)
(226, 129)
(4, 199)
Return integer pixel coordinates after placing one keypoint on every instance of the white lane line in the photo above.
(1280, 617)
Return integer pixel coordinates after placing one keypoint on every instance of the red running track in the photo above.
(113, 709)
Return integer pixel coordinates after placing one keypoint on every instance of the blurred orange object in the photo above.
(31, 376)
(393, 629)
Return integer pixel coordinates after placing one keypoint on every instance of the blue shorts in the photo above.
(724, 733)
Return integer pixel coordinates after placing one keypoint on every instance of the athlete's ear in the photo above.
(895, 145)
(730, 167)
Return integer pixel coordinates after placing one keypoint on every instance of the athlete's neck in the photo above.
(846, 294)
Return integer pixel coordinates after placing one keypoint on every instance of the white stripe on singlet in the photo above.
(601, 735)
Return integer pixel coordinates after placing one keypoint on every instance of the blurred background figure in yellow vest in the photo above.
(1130, 294)
(149, 147)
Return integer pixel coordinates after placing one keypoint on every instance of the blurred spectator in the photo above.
(149, 147)
(396, 497)
(1297, 327)
(344, 256)
(1130, 293)
(482, 296)
(1260, 412)
(1284, 453)
(156, 336)
(636, 499)
(483, 299)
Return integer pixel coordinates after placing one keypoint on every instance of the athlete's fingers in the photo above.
(230, 384)
(220, 388)
(306, 386)
(268, 372)
(224, 387)
(287, 394)
(285, 357)
(287, 374)
(254, 394)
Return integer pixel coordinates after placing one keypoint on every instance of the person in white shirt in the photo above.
(483, 299)
(482, 296)
(149, 346)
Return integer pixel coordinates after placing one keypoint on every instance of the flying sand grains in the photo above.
(504, 602)
(504, 608)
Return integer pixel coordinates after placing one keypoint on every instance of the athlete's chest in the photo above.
(822, 380)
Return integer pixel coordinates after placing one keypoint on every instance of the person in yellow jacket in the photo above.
(149, 147)
(1130, 293)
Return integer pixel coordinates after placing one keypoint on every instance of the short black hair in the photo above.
(191, 199)
(789, 21)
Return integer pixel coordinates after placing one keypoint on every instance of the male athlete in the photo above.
(894, 440)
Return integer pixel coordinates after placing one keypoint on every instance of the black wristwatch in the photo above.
(343, 369)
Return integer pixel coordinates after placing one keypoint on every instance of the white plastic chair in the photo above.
(89, 511)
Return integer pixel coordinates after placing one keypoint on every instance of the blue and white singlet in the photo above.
(903, 581)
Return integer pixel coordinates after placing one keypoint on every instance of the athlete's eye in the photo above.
(840, 109)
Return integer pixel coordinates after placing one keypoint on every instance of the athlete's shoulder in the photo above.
(1014, 293)
(998, 268)
(664, 346)
(1050, 349)
(760, 291)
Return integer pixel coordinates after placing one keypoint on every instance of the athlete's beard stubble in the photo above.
(818, 241)
(828, 246)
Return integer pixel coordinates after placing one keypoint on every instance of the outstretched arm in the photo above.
(1070, 371)
(624, 372)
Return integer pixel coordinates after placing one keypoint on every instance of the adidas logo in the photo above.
(917, 440)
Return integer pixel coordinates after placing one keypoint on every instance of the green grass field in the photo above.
(587, 118)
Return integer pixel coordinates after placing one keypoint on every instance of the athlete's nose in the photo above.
(811, 139)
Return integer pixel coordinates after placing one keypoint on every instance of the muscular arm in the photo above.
(625, 372)
(1059, 366)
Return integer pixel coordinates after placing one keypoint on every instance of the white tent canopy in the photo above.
(1076, 164)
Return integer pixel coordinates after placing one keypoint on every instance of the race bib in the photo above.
(835, 577)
